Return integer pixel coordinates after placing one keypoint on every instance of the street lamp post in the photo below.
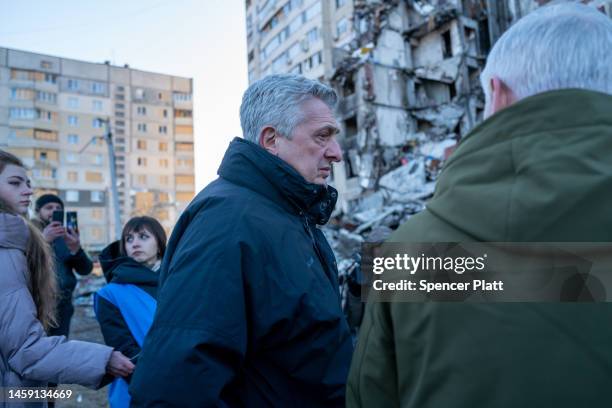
(108, 136)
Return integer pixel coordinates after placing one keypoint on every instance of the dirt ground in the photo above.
(85, 327)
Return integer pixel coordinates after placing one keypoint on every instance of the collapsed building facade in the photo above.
(410, 90)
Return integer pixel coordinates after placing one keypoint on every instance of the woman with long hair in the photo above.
(28, 357)
(125, 307)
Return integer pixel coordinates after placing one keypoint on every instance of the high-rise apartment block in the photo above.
(296, 36)
(53, 112)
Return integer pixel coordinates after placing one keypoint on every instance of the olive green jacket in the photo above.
(538, 171)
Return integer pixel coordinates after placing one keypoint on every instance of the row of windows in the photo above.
(90, 176)
(45, 155)
(75, 158)
(309, 63)
(32, 114)
(178, 113)
(142, 145)
(282, 12)
(291, 28)
(72, 176)
(74, 103)
(47, 116)
(73, 196)
(26, 75)
(181, 97)
(40, 134)
(142, 179)
(164, 163)
(94, 87)
(289, 56)
(26, 94)
(161, 129)
(96, 123)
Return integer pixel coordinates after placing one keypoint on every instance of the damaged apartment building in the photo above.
(409, 83)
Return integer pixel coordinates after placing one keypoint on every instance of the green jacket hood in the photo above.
(540, 170)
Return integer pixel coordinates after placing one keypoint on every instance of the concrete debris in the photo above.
(446, 71)
(423, 7)
(445, 116)
(405, 179)
(437, 150)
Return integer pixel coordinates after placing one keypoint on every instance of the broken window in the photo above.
(432, 93)
(352, 164)
(474, 75)
(348, 87)
(350, 127)
(471, 40)
(447, 47)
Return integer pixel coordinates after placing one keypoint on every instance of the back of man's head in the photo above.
(559, 46)
(275, 101)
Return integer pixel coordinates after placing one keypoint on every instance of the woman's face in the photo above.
(15, 188)
(141, 246)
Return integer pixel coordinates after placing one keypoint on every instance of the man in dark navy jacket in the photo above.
(68, 255)
(249, 312)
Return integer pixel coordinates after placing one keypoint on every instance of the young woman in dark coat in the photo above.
(126, 305)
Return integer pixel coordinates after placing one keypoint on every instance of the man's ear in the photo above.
(501, 95)
(268, 139)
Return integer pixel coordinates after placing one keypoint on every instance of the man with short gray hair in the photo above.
(249, 311)
(539, 169)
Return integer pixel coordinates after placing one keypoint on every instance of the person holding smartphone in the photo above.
(70, 258)
(125, 307)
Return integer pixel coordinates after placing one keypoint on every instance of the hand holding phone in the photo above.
(58, 216)
(55, 229)
(72, 223)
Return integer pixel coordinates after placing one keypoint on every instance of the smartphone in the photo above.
(72, 222)
(58, 215)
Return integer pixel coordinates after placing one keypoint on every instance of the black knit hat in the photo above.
(46, 199)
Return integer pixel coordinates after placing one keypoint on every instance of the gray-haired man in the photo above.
(249, 311)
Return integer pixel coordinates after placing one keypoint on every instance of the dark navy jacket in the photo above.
(65, 264)
(248, 306)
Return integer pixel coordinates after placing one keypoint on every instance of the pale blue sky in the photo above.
(202, 39)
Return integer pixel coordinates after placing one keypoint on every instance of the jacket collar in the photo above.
(251, 166)
(13, 231)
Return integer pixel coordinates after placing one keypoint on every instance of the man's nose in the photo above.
(334, 151)
(28, 191)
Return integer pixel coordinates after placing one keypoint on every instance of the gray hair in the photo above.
(559, 46)
(275, 101)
